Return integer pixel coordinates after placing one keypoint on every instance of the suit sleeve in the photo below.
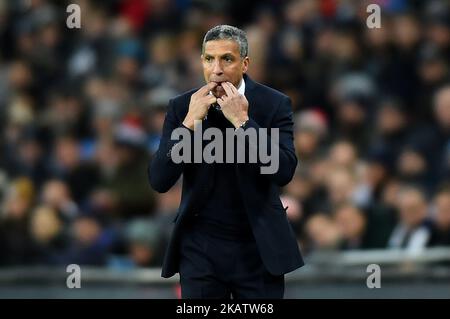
(163, 173)
(284, 145)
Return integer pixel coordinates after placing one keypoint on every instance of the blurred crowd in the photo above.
(81, 113)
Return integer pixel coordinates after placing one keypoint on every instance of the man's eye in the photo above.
(208, 59)
(228, 59)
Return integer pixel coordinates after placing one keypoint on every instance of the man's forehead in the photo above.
(224, 46)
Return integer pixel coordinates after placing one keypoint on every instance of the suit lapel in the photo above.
(256, 109)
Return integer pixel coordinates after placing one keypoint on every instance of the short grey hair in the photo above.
(228, 32)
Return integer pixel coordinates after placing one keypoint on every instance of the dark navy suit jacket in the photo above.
(275, 239)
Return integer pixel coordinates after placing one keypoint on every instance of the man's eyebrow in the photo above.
(223, 55)
(228, 54)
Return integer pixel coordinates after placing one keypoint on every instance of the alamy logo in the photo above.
(74, 279)
(74, 19)
(252, 146)
(374, 279)
(374, 19)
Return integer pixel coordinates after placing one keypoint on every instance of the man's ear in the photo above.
(245, 64)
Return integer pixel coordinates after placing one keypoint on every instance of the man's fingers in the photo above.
(204, 90)
(210, 99)
(227, 87)
(207, 101)
(201, 91)
(211, 85)
(233, 88)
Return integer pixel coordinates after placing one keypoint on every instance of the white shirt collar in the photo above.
(241, 88)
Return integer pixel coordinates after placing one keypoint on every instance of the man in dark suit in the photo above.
(231, 236)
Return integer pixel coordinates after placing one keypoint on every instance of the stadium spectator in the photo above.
(441, 230)
(413, 230)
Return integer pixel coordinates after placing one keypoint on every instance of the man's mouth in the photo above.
(218, 90)
(219, 83)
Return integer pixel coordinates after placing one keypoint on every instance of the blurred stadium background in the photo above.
(81, 112)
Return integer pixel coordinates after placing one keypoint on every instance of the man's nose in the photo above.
(217, 68)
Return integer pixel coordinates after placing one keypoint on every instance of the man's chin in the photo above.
(218, 92)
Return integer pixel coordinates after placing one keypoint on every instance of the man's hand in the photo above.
(199, 105)
(234, 105)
